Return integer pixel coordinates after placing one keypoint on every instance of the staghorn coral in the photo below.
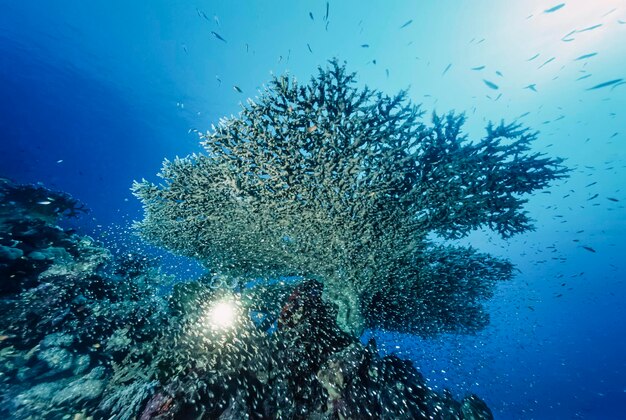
(347, 185)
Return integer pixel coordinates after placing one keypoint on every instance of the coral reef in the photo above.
(304, 367)
(92, 335)
(349, 186)
(69, 310)
(321, 210)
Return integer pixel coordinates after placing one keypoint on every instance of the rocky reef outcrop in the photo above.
(69, 309)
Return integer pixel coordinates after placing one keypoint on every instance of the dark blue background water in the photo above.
(95, 94)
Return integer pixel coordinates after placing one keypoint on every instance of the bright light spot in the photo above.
(580, 27)
(223, 314)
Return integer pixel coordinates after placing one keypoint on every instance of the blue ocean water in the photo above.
(96, 94)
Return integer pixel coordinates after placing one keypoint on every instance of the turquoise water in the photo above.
(97, 94)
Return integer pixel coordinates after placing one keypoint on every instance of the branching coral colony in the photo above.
(347, 186)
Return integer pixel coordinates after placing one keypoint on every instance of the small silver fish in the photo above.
(590, 28)
(490, 84)
(584, 57)
(555, 8)
(218, 36)
(548, 61)
(533, 57)
(605, 84)
(202, 14)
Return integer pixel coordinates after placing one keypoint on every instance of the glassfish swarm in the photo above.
(348, 186)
